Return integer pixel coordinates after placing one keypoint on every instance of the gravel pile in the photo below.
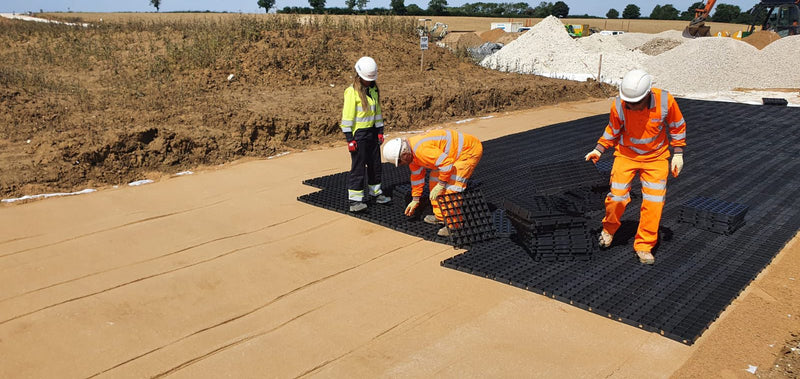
(722, 64)
(680, 65)
(658, 46)
(634, 40)
(548, 50)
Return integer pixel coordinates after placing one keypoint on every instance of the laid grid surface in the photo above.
(737, 153)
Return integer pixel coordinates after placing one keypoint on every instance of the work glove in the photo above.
(352, 146)
(380, 138)
(412, 207)
(594, 155)
(677, 164)
(436, 191)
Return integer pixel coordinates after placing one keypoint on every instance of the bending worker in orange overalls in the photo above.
(644, 121)
(450, 155)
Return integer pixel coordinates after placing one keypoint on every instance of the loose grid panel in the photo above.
(467, 217)
(697, 272)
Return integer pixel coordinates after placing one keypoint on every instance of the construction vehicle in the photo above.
(782, 17)
(698, 27)
(436, 32)
(576, 30)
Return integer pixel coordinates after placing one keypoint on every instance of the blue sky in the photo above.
(592, 7)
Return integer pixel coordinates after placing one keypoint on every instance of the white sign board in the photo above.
(423, 43)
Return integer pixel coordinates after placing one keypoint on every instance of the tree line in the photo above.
(722, 12)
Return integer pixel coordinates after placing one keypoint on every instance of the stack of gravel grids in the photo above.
(467, 217)
(713, 214)
(502, 224)
(697, 272)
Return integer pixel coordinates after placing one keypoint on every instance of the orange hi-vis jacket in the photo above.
(439, 150)
(642, 135)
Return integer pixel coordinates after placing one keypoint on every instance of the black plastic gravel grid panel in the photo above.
(553, 178)
(714, 209)
(774, 101)
(502, 225)
(467, 217)
(391, 176)
(401, 196)
(697, 272)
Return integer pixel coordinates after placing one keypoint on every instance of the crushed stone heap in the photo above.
(680, 65)
(548, 50)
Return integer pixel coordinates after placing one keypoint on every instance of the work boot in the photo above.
(357, 206)
(380, 199)
(431, 219)
(646, 257)
(443, 232)
(605, 238)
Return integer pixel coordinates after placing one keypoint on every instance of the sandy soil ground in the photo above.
(225, 273)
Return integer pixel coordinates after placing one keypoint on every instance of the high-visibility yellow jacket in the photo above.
(356, 117)
(642, 135)
(438, 150)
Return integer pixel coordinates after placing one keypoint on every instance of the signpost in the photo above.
(423, 39)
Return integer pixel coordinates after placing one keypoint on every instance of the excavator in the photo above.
(698, 28)
(782, 17)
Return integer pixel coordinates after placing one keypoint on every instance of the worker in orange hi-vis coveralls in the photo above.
(644, 121)
(450, 156)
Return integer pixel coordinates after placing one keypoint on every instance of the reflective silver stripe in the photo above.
(655, 199)
(379, 124)
(446, 168)
(618, 104)
(677, 123)
(347, 122)
(365, 119)
(347, 130)
(620, 186)
(644, 140)
(355, 195)
(609, 136)
(619, 198)
(378, 117)
(654, 186)
(417, 171)
(440, 160)
(447, 145)
(426, 139)
(375, 189)
(664, 105)
(460, 144)
(678, 136)
(418, 182)
(361, 109)
(454, 188)
(640, 151)
(435, 179)
(458, 178)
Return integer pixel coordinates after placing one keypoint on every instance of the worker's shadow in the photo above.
(627, 232)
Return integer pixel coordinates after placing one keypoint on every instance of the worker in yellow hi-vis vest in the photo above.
(644, 122)
(362, 125)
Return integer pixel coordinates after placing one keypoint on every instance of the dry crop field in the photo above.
(139, 97)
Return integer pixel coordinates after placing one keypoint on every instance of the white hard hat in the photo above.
(367, 69)
(635, 86)
(391, 150)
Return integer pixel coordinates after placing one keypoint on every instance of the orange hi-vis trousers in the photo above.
(463, 169)
(653, 175)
